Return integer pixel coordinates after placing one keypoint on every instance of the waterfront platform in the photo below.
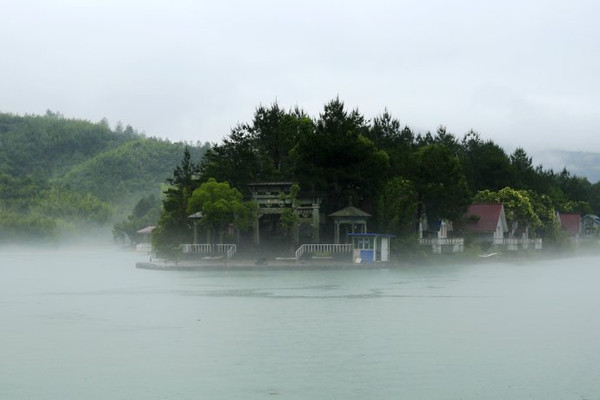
(255, 265)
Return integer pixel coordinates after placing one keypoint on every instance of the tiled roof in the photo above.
(482, 217)
(350, 212)
(570, 222)
(271, 183)
(147, 229)
(595, 219)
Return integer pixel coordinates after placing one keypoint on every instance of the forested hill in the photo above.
(60, 176)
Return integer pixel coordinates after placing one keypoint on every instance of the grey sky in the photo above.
(518, 72)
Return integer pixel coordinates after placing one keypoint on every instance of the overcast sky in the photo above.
(522, 73)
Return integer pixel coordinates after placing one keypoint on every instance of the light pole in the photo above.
(195, 217)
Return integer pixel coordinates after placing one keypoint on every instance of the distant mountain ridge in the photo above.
(580, 163)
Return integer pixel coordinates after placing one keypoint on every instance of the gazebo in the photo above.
(355, 217)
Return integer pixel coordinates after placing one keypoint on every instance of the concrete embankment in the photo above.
(249, 265)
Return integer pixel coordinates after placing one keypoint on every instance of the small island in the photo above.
(290, 190)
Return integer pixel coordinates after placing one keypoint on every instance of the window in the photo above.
(363, 243)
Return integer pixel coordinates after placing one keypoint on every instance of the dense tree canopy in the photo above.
(337, 160)
(439, 182)
(486, 165)
(389, 171)
(397, 207)
(259, 151)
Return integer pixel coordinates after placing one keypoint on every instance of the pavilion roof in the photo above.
(350, 211)
(147, 229)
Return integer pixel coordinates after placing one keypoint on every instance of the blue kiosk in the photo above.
(368, 248)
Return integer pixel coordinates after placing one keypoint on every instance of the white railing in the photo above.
(515, 243)
(226, 249)
(441, 245)
(499, 241)
(323, 248)
(196, 248)
(442, 242)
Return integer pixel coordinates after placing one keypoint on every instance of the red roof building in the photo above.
(486, 219)
(570, 223)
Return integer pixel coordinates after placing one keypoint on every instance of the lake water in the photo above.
(85, 324)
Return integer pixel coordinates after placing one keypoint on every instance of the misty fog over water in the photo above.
(85, 324)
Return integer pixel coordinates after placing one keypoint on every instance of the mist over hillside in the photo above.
(580, 163)
(62, 177)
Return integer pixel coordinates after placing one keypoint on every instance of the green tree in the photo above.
(234, 160)
(289, 217)
(220, 205)
(397, 207)
(439, 182)
(397, 142)
(580, 207)
(595, 197)
(337, 160)
(447, 140)
(173, 226)
(258, 151)
(274, 133)
(522, 164)
(486, 165)
(576, 188)
(543, 208)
